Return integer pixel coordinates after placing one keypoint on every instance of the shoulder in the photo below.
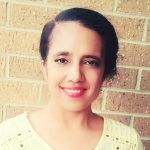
(122, 135)
(11, 125)
(11, 130)
(119, 128)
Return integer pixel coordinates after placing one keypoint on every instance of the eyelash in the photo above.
(92, 63)
(61, 61)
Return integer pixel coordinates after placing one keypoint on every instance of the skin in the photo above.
(74, 62)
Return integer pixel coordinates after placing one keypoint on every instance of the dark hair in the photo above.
(92, 20)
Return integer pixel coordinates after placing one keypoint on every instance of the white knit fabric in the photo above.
(17, 134)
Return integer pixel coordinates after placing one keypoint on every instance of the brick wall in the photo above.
(125, 98)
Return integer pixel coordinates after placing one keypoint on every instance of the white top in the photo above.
(17, 134)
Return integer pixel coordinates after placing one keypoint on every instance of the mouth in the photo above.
(75, 92)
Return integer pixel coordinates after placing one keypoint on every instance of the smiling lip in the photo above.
(75, 92)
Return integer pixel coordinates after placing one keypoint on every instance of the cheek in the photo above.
(95, 82)
(55, 76)
(96, 77)
(52, 75)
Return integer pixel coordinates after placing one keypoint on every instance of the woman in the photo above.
(79, 51)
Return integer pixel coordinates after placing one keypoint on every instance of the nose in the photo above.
(76, 74)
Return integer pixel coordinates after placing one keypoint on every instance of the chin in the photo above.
(76, 108)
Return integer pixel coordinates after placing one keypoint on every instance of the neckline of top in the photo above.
(35, 133)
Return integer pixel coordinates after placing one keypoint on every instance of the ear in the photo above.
(44, 69)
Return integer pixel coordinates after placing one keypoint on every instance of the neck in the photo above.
(66, 118)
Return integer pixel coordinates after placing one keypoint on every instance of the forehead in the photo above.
(72, 35)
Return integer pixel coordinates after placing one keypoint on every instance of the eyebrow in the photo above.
(85, 56)
(93, 57)
(62, 54)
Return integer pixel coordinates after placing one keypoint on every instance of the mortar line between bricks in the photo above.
(134, 67)
(138, 82)
(131, 121)
(7, 67)
(4, 113)
(10, 103)
(39, 4)
(145, 138)
(141, 116)
(15, 104)
(129, 15)
(133, 16)
(23, 80)
(122, 113)
(104, 99)
(113, 89)
(104, 12)
(145, 30)
(40, 93)
(115, 2)
(7, 12)
(31, 3)
(112, 112)
(135, 42)
(20, 29)
(19, 55)
(24, 56)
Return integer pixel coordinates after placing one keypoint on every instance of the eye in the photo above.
(93, 63)
(61, 61)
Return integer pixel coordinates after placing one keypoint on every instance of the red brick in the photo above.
(122, 119)
(128, 102)
(145, 81)
(142, 125)
(31, 17)
(146, 144)
(134, 6)
(19, 92)
(125, 78)
(106, 5)
(25, 68)
(2, 13)
(134, 55)
(128, 28)
(97, 104)
(12, 111)
(19, 42)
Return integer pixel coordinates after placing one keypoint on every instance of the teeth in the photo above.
(73, 91)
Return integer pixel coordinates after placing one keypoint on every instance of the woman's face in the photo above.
(74, 67)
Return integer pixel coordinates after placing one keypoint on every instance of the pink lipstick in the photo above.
(75, 92)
